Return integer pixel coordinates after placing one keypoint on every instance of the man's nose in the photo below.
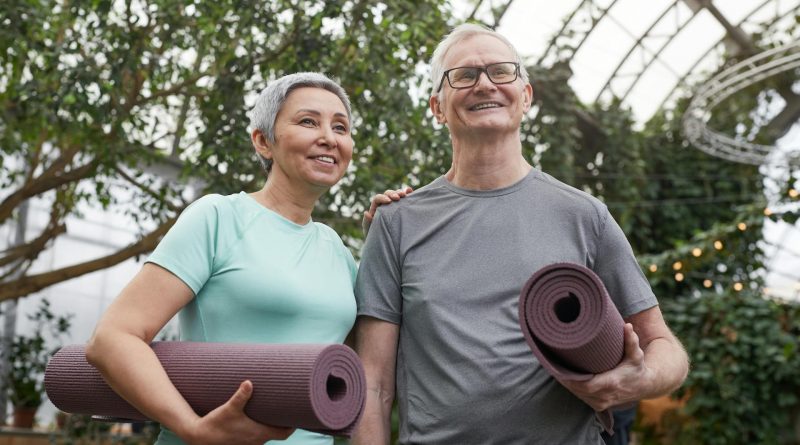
(483, 81)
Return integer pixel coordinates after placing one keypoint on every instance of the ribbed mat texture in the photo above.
(314, 387)
(571, 324)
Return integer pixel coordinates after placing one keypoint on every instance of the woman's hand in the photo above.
(378, 200)
(229, 424)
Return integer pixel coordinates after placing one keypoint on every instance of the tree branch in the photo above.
(46, 182)
(31, 250)
(147, 190)
(29, 284)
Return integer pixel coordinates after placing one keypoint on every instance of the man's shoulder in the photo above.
(566, 195)
(420, 197)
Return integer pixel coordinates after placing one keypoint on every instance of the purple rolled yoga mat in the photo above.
(571, 324)
(314, 387)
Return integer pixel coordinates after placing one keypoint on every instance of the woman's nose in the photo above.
(328, 137)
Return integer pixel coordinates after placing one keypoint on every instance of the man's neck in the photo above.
(487, 164)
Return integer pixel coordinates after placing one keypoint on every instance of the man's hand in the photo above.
(625, 383)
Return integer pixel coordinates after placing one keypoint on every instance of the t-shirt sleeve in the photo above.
(622, 276)
(378, 289)
(189, 247)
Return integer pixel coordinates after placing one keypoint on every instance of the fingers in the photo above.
(278, 433)
(242, 395)
(632, 349)
(396, 195)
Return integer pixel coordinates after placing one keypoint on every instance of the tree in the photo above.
(99, 99)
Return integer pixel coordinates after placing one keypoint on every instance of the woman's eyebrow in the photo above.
(317, 113)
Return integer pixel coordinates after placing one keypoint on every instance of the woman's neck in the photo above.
(286, 201)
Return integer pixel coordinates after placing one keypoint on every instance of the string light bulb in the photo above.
(718, 245)
(678, 276)
(697, 251)
(653, 268)
(737, 286)
(767, 212)
(794, 193)
(707, 283)
(741, 226)
(677, 265)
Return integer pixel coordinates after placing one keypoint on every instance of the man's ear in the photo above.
(261, 144)
(436, 109)
(527, 98)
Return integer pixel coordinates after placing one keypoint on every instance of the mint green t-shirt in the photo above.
(258, 278)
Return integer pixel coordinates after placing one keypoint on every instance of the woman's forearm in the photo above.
(132, 369)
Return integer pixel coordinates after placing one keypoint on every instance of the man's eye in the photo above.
(464, 74)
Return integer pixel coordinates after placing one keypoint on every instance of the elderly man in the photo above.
(442, 271)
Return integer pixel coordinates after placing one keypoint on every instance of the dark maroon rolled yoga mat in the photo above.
(315, 387)
(571, 324)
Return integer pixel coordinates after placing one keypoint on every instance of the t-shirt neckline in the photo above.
(488, 193)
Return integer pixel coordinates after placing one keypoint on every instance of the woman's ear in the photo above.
(261, 144)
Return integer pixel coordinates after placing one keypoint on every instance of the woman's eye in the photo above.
(308, 121)
(340, 128)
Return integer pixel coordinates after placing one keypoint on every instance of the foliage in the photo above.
(138, 107)
(695, 223)
(661, 191)
(82, 429)
(745, 362)
(29, 355)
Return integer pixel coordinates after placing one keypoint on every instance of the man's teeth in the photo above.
(327, 159)
(484, 106)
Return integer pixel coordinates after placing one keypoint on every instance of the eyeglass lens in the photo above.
(464, 77)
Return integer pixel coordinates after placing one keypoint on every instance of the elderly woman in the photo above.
(236, 268)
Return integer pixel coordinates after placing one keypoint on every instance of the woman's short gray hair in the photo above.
(459, 33)
(271, 100)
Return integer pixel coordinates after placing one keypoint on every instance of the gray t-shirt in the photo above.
(447, 265)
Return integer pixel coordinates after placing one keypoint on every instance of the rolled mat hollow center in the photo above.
(571, 325)
(315, 387)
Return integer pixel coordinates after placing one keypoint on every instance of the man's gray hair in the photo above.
(271, 100)
(459, 33)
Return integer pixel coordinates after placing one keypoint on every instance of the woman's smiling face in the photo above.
(313, 145)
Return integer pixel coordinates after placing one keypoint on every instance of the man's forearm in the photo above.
(669, 363)
(375, 425)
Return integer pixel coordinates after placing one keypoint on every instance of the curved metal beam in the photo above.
(568, 25)
(726, 84)
(682, 83)
(638, 43)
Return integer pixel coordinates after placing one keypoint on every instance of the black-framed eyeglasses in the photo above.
(467, 76)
